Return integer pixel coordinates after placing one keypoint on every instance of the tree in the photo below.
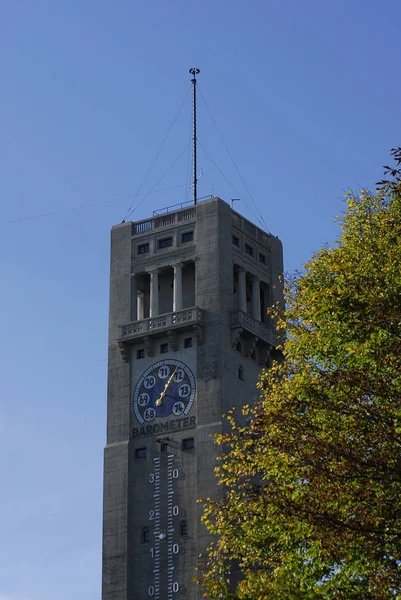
(311, 507)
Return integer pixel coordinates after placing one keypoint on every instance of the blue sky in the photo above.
(307, 97)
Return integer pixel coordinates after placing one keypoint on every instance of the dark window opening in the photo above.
(166, 242)
(241, 372)
(145, 535)
(140, 353)
(183, 528)
(262, 258)
(143, 248)
(236, 241)
(248, 250)
(140, 453)
(188, 342)
(163, 447)
(187, 237)
(188, 443)
(267, 363)
(164, 348)
(248, 290)
(238, 347)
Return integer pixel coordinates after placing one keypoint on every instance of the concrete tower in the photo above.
(188, 336)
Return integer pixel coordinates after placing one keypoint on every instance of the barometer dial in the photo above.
(165, 388)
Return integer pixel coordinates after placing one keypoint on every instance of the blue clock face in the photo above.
(165, 388)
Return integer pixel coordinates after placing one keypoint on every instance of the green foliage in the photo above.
(312, 484)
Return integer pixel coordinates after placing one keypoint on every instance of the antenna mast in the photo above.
(194, 72)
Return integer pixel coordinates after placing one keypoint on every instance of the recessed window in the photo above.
(166, 242)
(188, 444)
(143, 248)
(140, 353)
(140, 453)
(267, 363)
(262, 258)
(241, 372)
(188, 342)
(145, 535)
(183, 528)
(236, 240)
(188, 236)
(163, 447)
(164, 348)
(248, 250)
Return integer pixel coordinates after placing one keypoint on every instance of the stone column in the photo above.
(242, 289)
(177, 296)
(141, 307)
(154, 293)
(134, 298)
(256, 299)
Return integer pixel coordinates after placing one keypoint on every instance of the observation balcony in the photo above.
(168, 324)
(243, 323)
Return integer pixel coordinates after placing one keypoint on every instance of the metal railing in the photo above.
(174, 207)
(161, 322)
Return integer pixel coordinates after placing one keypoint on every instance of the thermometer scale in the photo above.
(164, 516)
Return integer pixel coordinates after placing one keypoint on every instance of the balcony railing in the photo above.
(262, 331)
(165, 220)
(173, 320)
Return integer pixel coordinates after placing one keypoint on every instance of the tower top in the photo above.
(194, 71)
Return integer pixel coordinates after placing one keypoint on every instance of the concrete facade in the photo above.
(188, 336)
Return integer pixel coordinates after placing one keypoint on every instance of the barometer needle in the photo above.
(160, 399)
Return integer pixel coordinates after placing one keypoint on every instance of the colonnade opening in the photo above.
(252, 296)
(161, 291)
